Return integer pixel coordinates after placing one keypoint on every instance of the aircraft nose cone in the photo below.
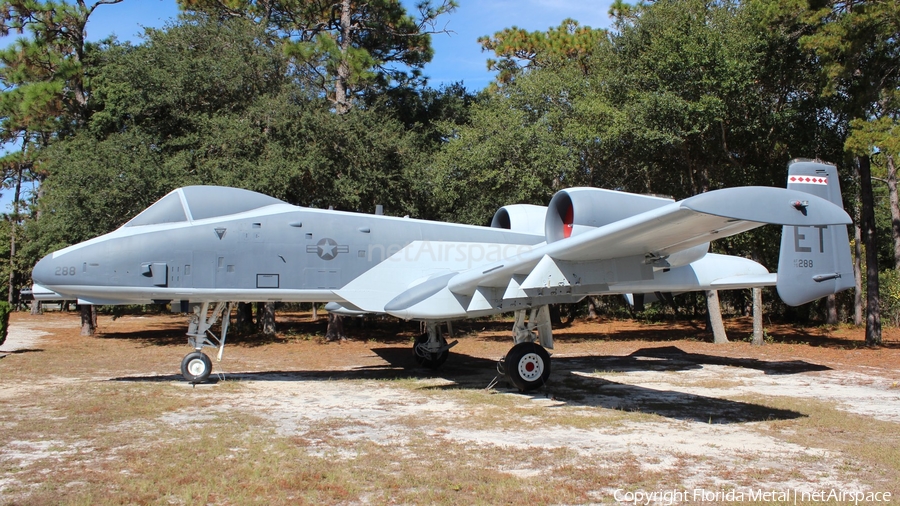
(42, 273)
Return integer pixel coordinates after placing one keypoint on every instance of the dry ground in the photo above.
(632, 410)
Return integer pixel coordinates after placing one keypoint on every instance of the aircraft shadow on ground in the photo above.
(397, 332)
(20, 351)
(680, 331)
(570, 383)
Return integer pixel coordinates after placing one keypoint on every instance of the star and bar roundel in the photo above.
(808, 180)
(327, 248)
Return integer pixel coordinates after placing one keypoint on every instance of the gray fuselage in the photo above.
(278, 252)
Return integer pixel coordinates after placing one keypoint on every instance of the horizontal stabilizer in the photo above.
(776, 206)
(745, 281)
(42, 293)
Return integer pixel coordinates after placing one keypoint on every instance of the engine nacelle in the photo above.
(524, 218)
(576, 210)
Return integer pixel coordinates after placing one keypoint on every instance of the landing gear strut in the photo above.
(431, 349)
(196, 366)
(527, 365)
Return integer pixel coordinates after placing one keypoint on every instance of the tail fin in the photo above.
(814, 261)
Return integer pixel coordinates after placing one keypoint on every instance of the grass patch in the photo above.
(868, 449)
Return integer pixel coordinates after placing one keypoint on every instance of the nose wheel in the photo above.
(527, 366)
(196, 367)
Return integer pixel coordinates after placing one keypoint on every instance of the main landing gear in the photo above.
(527, 365)
(196, 366)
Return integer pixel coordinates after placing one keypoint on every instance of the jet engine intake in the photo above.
(524, 218)
(576, 210)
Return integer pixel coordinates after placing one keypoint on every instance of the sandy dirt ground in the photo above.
(693, 415)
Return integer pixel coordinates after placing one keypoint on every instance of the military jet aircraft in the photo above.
(203, 246)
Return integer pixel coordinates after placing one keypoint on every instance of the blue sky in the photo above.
(458, 56)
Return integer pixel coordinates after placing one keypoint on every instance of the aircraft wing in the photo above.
(459, 279)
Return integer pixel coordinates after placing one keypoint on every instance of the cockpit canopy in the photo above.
(201, 202)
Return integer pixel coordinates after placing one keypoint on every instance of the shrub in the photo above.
(5, 309)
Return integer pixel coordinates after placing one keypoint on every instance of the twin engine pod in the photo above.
(574, 211)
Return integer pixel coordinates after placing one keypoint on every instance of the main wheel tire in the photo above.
(196, 367)
(426, 358)
(527, 366)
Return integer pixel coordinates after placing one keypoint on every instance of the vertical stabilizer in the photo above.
(815, 260)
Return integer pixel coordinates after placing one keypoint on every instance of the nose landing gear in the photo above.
(196, 366)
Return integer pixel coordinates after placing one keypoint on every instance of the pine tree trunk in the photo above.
(555, 315)
(267, 319)
(244, 317)
(870, 237)
(592, 308)
(895, 208)
(638, 299)
(831, 313)
(12, 259)
(715, 317)
(88, 320)
(13, 226)
(335, 329)
(757, 317)
(857, 274)
(341, 84)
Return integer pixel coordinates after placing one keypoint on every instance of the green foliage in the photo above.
(45, 97)
(889, 288)
(204, 102)
(868, 137)
(347, 47)
(519, 50)
(46, 74)
(683, 98)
